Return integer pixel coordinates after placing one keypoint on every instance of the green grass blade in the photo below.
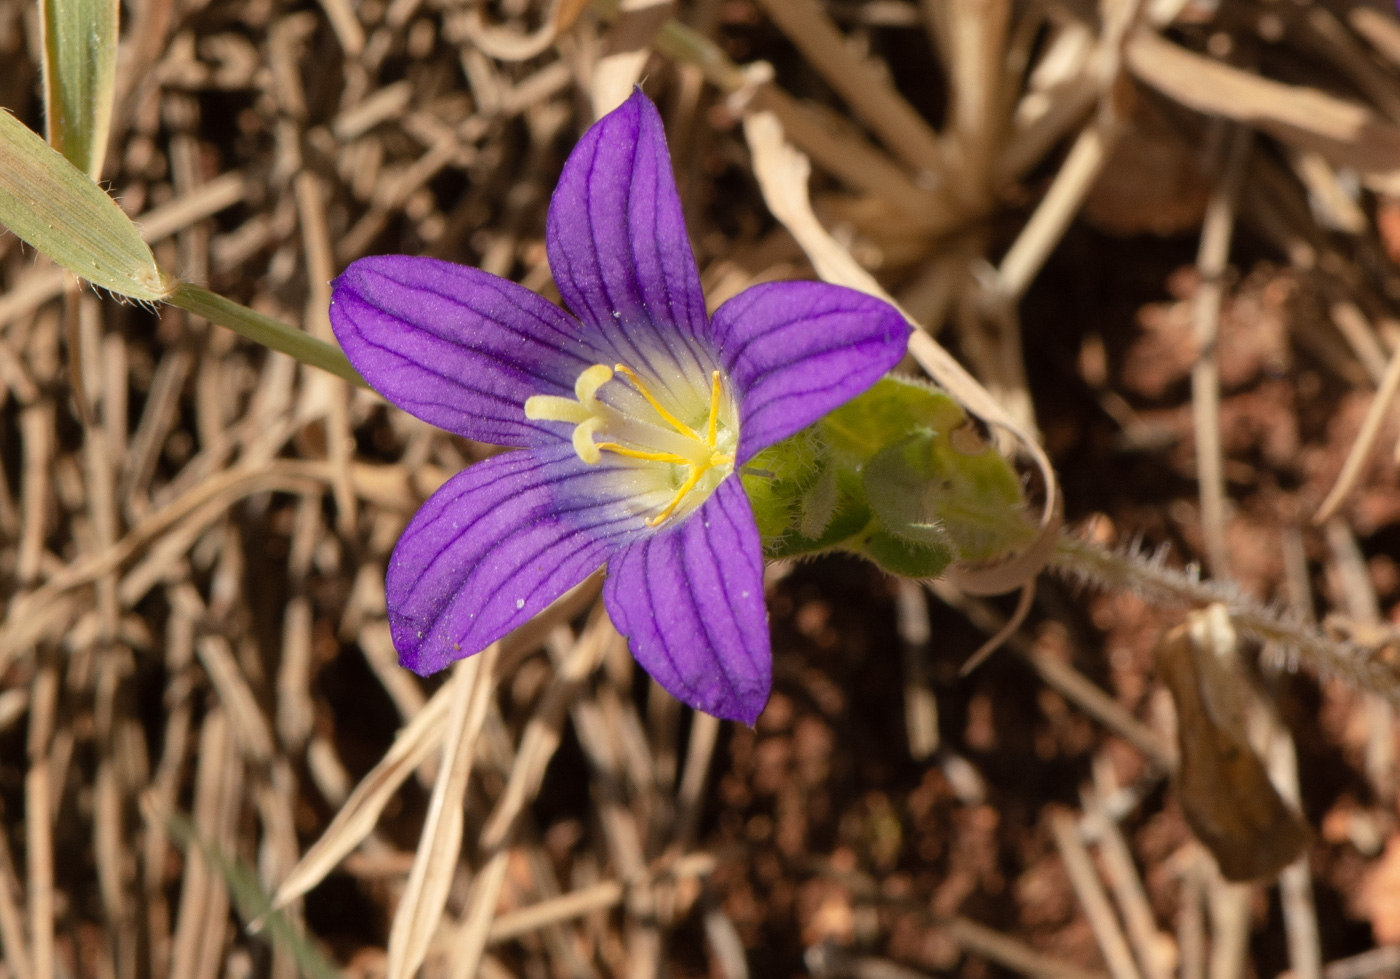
(80, 73)
(57, 208)
(253, 903)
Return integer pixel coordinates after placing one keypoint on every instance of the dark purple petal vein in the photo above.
(455, 346)
(617, 243)
(796, 350)
(690, 602)
(494, 546)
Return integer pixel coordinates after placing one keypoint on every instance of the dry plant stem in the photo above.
(346, 26)
(727, 948)
(36, 428)
(439, 847)
(1212, 260)
(1379, 29)
(1008, 952)
(72, 290)
(1088, 889)
(12, 941)
(1191, 919)
(198, 883)
(1346, 133)
(250, 728)
(1155, 582)
(161, 796)
(537, 746)
(1365, 444)
(193, 511)
(841, 151)
(576, 904)
(976, 31)
(604, 734)
(1330, 37)
(38, 820)
(1360, 335)
(626, 49)
(968, 934)
(1123, 879)
(920, 706)
(704, 733)
(320, 265)
(1350, 580)
(869, 95)
(1052, 217)
(295, 710)
(1379, 961)
(1295, 882)
(1300, 921)
(1229, 926)
(355, 819)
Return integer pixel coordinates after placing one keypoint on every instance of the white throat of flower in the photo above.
(688, 462)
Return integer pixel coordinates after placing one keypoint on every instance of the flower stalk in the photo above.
(265, 330)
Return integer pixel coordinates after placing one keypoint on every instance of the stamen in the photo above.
(622, 450)
(641, 439)
(690, 483)
(671, 419)
(711, 431)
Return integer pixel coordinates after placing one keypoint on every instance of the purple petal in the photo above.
(457, 347)
(796, 350)
(690, 602)
(617, 243)
(495, 545)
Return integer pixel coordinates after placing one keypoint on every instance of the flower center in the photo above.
(648, 434)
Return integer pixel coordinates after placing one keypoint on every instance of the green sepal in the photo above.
(905, 558)
(897, 475)
(891, 409)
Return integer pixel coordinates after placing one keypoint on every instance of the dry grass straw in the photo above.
(1212, 261)
(425, 894)
(1093, 899)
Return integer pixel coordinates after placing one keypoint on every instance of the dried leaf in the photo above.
(1346, 133)
(1222, 785)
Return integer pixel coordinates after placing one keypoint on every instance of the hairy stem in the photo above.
(1150, 578)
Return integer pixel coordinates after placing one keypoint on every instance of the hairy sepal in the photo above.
(896, 475)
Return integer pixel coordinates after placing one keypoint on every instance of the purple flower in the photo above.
(633, 419)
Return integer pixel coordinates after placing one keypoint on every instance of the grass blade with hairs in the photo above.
(58, 209)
